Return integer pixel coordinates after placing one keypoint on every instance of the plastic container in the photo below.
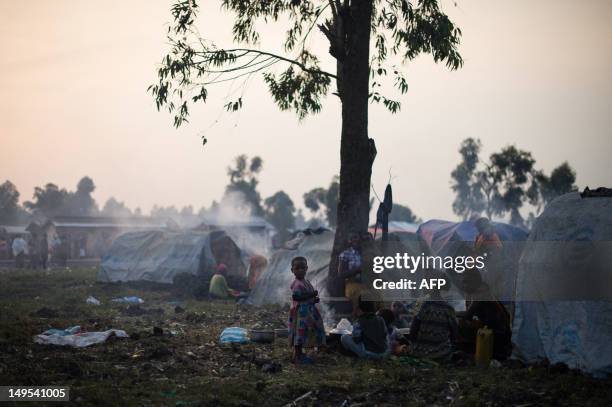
(484, 347)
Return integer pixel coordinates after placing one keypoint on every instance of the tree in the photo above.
(280, 212)
(243, 181)
(403, 213)
(169, 212)
(114, 208)
(50, 200)
(546, 188)
(469, 201)
(81, 203)
(505, 183)
(364, 36)
(324, 200)
(11, 213)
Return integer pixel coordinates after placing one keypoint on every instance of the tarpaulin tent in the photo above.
(572, 231)
(446, 238)
(159, 256)
(273, 285)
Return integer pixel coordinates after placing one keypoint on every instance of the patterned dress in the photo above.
(305, 322)
(434, 325)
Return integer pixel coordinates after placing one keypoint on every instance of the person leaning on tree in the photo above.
(350, 264)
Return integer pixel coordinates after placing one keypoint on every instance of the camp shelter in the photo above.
(160, 255)
(273, 285)
(569, 247)
(446, 238)
(394, 227)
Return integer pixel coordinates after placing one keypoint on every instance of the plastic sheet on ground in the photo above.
(128, 300)
(234, 335)
(80, 340)
(92, 300)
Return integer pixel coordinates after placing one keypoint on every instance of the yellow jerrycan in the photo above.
(484, 347)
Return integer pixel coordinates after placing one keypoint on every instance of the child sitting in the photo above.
(305, 322)
(369, 339)
(395, 337)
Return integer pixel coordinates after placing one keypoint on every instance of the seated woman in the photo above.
(489, 312)
(369, 339)
(434, 328)
(218, 287)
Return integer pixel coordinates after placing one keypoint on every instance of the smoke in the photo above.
(234, 215)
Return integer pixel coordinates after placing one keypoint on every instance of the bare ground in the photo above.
(183, 363)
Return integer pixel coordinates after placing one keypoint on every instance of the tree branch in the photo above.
(291, 61)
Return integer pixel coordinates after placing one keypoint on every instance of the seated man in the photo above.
(369, 339)
(490, 313)
(218, 285)
(434, 328)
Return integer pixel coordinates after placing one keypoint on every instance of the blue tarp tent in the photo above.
(446, 238)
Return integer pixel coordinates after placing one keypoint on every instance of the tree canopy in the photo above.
(401, 31)
(502, 185)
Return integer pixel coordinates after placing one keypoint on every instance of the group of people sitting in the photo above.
(436, 330)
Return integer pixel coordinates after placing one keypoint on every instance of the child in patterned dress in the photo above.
(305, 322)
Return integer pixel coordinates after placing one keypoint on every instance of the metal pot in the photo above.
(261, 335)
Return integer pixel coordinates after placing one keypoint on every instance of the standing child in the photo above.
(305, 322)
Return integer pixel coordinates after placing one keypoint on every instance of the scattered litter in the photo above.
(79, 340)
(128, 300)
(73, 330)
(343, 327)
(496, 364)
(234, 335)
(178, 309)
(297, 400)
(92, 300)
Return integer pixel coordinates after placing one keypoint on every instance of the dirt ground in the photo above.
(183, 363)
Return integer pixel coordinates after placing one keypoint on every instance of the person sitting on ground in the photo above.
(218, 287)
(489, 312)
(395, 337)
(305, 323)
(400, 314)
(434, 328)
(369, 339)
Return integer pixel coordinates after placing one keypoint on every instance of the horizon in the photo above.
(69, 112)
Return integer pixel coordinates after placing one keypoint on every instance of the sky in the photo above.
(73, 79)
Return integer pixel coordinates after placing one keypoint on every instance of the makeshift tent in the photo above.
(273, 285)
(576, 231)
(395, 227)
(159, 256)
(446, 238)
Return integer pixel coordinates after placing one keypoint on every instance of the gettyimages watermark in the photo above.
(520, 271)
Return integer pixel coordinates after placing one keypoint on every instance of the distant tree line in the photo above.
(241, 195)
(502, 185)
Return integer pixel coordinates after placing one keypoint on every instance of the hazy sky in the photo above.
(73, 79)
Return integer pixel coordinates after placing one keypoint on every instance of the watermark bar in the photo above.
(34, 393)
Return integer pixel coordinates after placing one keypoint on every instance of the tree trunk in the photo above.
(357, 151)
